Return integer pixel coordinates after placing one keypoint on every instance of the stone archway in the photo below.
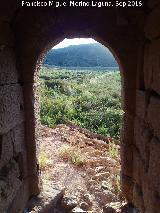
(133, 34)
(120, 47)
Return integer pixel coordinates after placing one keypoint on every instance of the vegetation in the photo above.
(72, 154)
(114, 151)
(114, 185)
(42, 159)
(90, 99)
(85, 55)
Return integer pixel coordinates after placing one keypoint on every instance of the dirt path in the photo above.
(86, 169)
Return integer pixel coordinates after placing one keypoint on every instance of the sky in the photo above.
(75, 41)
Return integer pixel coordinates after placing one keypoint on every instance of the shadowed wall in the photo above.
(133, 36)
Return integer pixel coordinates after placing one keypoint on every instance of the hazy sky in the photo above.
(75, 41)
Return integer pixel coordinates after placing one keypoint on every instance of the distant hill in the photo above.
(84, 55)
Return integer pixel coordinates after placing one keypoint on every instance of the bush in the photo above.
(88, 98)
(72, 154)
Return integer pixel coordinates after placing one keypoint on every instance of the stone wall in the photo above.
(146, 158)
(134, 38)
(13, 159)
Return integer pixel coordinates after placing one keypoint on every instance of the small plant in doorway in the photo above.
(42, 159)
(72, 154)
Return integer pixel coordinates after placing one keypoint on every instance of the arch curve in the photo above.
(35, 31)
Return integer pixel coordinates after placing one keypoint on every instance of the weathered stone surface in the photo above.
(18, 138)
(147, 66)
(152, 66)
(22, 162)
(127, 129)
(154, 164)
(8, 71)
(140, 103)
(77, 210)
(20, 199)
(151, 181)
(143, 136)
(138, 167)
(147, 194)
(6, 35)
(12, 143)
(138, 198)
(152, 27)
(154, 115)
(127, 159)
(127, 187)
(11, 112)
(129, 96)
(7, 149)
(9, 184)
(47, 201)
(150, 196)
(69, 203)
(85, 206)
(108, 209)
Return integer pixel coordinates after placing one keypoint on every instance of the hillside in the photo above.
(90, 99)
(83, 174)
(84, 55)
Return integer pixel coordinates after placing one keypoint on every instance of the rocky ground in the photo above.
(79, 172)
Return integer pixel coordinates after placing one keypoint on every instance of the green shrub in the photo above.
(88, 98)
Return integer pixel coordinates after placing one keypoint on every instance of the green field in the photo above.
(90, 99)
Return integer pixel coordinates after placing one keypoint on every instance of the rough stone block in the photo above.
(155, 65)
(127, 159)
(143, 136)
(22, 162)
(12, 143)
(127, 187)
(128, 100)
(147, 194)
(18, 138)
(6, 149)
(138, 167)
(154, 164)
(11, 110)
(20, 199)
(147, 66)
(127, 129)
(9, 184)
(150, 196)
(138, 198)
(8, 71)
(153, 115)
(6, 35)
(140, 103)
(152, 27)
(152, 66)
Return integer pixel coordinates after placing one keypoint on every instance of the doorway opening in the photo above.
(81, 116)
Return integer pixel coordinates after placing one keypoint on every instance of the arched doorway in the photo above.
(40, 41)
(69, 120)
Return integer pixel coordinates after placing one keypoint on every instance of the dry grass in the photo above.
(72, 154)
(42, 159)
(114, 185)
(113, 151)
